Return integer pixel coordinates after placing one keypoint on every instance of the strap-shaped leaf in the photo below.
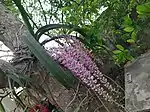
(24, 16)
(65, 78)
(46, 28)
(2, 107)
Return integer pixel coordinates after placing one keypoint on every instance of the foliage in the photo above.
(115, 25)
(105, 23)
(24, 16)
(1, 107)
(110, 28)
(64, 77)
(11, 6)
(121, 54)
(144, 10)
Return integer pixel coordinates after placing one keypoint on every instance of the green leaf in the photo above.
(131, 41)
(2, 107)
(24, 16)
(114, 56)
(133, 36)
(46, 28)
(144, 8)
(130, 58)
(127, 21)
(116, 51)
(120, 47)
(129, 29)
(65, 8)
(66, 79)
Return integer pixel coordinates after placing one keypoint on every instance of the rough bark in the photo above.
(11, 32)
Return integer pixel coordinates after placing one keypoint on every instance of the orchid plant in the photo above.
(74, 56)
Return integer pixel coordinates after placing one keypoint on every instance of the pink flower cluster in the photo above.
(75, 57)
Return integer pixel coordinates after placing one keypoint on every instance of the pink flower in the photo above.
(77, 59)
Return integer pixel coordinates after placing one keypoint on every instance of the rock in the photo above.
(137, 84)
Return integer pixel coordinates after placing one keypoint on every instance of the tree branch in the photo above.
(12, 30)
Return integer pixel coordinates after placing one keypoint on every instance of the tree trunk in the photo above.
(11, 32)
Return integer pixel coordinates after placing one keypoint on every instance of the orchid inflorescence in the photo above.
(75, 57)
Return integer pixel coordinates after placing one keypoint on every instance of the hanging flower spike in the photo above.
(76, 58)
